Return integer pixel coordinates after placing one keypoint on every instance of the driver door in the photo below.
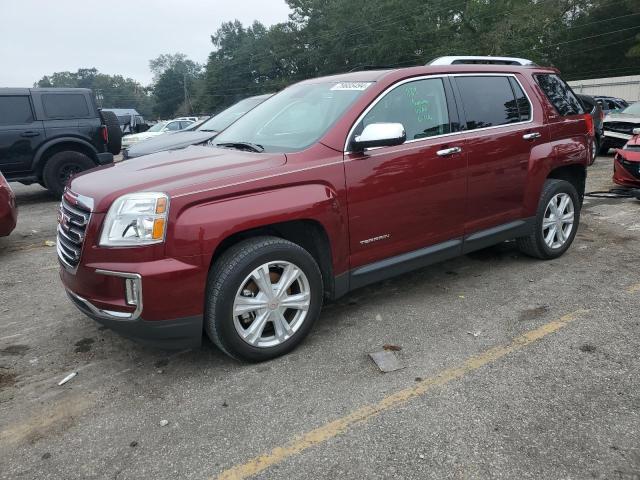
(409, 197)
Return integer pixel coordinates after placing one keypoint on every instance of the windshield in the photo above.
(226, 117)
(633, 109)
(294, 118)
(157, 127)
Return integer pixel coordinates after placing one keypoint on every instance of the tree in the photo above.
(112, 91)
(584, 38)
(176, 83)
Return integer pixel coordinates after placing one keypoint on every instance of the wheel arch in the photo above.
(575, 174)
(309, 234)
(59, 145)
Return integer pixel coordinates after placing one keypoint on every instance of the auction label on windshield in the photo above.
(351, 86)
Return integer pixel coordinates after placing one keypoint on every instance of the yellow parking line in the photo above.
(634, 288)
(332, 429)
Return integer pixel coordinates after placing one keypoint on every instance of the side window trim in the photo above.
(448, 100)
(457, 112)
(510, 77)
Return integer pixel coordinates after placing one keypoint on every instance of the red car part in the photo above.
(8, 208)
(626, 164)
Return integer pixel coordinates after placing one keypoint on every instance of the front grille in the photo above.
(620, 127)
(72, 226)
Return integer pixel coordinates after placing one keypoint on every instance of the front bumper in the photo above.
(169, 301)
(177, 334)
(626, 176)
(616, 139)
(105, 158)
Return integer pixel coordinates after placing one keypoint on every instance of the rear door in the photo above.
(20, 134)
(501, 131)
(566, 119)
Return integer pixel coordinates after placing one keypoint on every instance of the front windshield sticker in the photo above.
(351, 86)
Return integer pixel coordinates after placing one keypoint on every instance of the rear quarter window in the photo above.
(65, 105)
(560, 95)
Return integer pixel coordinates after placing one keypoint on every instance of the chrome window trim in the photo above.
(426, 77)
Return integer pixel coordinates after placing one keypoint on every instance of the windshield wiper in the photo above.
(207, 130)
(252, 147)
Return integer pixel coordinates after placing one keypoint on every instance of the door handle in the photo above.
(29, 133)
(448, 151)
(531, 136)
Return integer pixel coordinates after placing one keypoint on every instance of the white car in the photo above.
(158, 129)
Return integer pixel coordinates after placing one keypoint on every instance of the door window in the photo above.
(560, 95)
(524, 106)
(489, 101)
(420, 106)
(173, 126)
(65, 105)
(15, 110)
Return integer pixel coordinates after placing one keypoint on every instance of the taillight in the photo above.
(105, 134)
(590, 126)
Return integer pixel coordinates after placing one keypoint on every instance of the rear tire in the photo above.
(114, 145)
(603, 149)
(258, 334)
(61, 167)
(545, 242)
(595, 149)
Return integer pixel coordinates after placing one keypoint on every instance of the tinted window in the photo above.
(420, 106)
(560, 95)
(488, 101)
(15, 111)
(67, 105)
(524, 107)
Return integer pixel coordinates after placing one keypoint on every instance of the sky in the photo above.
(39, 37)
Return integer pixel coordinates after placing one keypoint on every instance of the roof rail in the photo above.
(482, 60)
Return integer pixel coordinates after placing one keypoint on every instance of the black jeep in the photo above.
(49, 134)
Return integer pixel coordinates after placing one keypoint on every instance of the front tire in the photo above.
(263, 296)
(556, 222)
(61, 167)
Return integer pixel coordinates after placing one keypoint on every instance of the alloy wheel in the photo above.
(559, 217)
(271, 304)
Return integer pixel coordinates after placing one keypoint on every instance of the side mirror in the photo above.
(636, 131)
(379, 135)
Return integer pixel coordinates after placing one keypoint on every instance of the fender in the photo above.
(202, 227)
(543, 160)
(55, 141)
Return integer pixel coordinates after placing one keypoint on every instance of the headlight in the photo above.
(136, 219)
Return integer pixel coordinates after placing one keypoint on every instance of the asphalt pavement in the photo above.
(512, 368)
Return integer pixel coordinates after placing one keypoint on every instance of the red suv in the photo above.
(332, 184)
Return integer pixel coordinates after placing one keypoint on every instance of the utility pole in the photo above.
(184, 82)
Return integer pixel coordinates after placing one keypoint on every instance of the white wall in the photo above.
(627, 87)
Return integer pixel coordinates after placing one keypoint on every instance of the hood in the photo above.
(170, 141)
(140, 136)
(622, 117)
(172, 172)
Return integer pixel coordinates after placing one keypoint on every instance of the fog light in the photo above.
(131, 289)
